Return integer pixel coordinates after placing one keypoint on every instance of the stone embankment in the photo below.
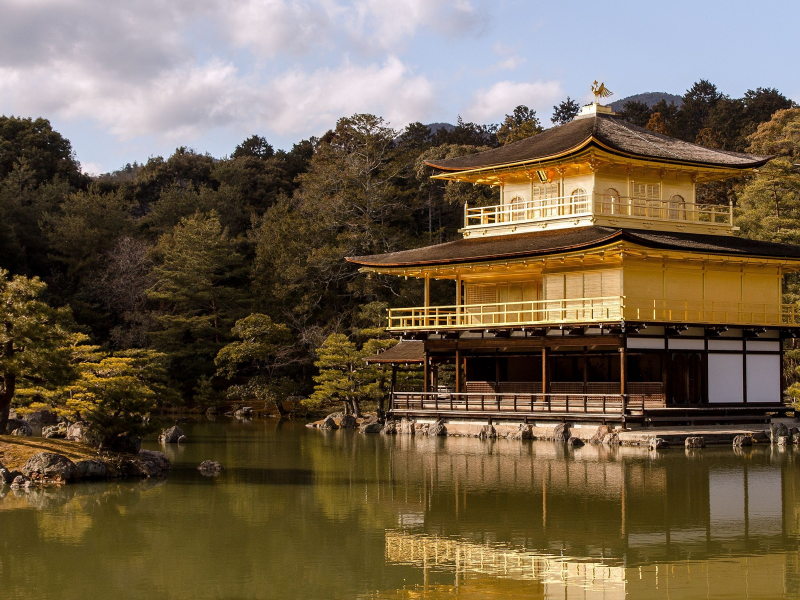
(574, 435)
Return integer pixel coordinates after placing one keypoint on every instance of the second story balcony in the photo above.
(588, 311)
(599, 209)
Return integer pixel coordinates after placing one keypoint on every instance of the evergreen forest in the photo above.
(194, 280)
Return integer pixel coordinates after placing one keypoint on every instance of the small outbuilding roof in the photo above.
(406, 352)
(607, 132)
(543, 243)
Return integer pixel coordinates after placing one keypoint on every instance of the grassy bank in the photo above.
(14, 451)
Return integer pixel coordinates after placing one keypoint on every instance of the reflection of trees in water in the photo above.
(306, 511)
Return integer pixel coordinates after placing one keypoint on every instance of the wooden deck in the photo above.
(615, 408)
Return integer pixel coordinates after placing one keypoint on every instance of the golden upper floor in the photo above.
(597, 170)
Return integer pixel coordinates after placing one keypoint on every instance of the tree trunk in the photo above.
(281, 411)
(346, 407)
(7, 393)
(356, 409)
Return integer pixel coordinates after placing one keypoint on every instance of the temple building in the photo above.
(598, 289)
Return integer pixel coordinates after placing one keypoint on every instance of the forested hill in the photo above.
(174, 255)
(648, 98)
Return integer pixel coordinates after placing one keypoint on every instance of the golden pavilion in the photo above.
(597, 289)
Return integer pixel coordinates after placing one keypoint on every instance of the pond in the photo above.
(302, 513)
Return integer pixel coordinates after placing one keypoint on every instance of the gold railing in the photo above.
(685, 311)
(580, 310)
(589, 310)
(598, 204)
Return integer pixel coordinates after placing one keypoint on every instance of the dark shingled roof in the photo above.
(609, 131)
(404, 352)
(544, 243)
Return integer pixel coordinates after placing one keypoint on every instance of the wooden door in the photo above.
(686, 375)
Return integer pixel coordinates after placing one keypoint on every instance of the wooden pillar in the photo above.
(458, 370)
(458, 299)
(545, 381)
(426, 374)
(427, 298)
(435, 375)
(623, 370)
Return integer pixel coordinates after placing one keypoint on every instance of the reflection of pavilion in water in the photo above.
(521, 510)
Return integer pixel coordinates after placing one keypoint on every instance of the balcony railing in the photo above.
(589, 310)
(599, 205)
(581, 310)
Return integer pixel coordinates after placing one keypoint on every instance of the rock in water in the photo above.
(658, 443)
(328, 423)
(600, 434)
(390, 428)
(487, 432)
(523, 432)
(437, 428)
(171, 435)
(611, 439)
(5, 475)
(348, 422)
(776, 431)
(784, 440)
(91, 469)
(575, 442)
(407, 427)
(126, 443)
(19, 482)
(695, 442)
(561, 432)
(371, 427)
(210, 468)
(48, 466)
(154, 464)
(742, 440)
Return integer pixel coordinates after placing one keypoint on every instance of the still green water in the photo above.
(302, 513)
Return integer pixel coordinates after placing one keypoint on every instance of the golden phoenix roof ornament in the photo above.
(600, 91)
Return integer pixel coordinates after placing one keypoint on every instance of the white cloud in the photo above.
(501, 98)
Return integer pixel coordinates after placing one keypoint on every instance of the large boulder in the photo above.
(328, 423)
(126, 443)
(742, 440)
(91, 469)
(22, 431)
(245, 412)
(5, 475)
(41, 417)
(16, 424)
(601, 433)
(561, 432)
(784, 440)
(348, 422)
(154, 464)
(210, 468)
(611, 439)
(437, 428)
(522, 432)
(776, 431)
(376, 427)
(77, 432)
(695, 442)
(55, 431)
(171, 435)
(390, 428)
(575, 442)
(48, 466)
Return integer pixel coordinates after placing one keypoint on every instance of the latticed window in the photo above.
(677, 207)
(579, 201)
(610, 203)
(518, 208)
(646, 199)
(544, 199)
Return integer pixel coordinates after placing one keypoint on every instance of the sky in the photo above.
(131, 79)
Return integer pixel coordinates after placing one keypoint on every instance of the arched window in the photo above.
(579, 201)
(677, 208)
(610, 203)
(517, 212)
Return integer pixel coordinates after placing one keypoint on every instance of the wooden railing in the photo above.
(606, 309)
(578, 310)
(463, 402)
(598, 204)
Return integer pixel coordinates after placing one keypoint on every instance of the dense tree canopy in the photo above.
(227, 274)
